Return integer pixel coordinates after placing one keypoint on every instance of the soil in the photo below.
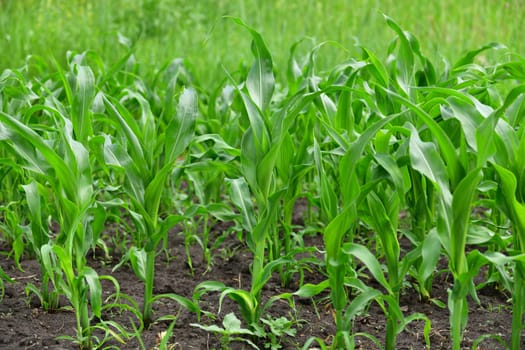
(24, 325)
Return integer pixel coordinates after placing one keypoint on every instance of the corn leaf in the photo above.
(260, 81)
(180, 130)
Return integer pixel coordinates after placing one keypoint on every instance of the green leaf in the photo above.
(485, 140)
(38, 234)
(430, 253)
(211, 328)
(137, 258)
(405, 60)
(309, 290)
(478, 234)
(84, 94)
(468, 58)
(514, 98)
(180, 130)
(425, 158)
(221, 211)
(265, 169)
(247, 303)
(131, 130)
(48, 260)
(351, 158)
(260, 81)
(63, 170)
(233, 325)
(153, 192)
(259, 281)
(240, 196)
(65, 264)
(185, 302)
(461, 209)
(372, 264)
(115, 155)
(360, 303)
(335, 231)
(454, 168)
(95, 289)
(327, 193)
(388, 162)
(261, 137)
(387, 232)
(207, 287)
(469, 117)
(507, 201)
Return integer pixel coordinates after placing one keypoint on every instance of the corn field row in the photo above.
(398, 147)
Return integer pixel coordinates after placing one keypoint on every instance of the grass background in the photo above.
(161, 30)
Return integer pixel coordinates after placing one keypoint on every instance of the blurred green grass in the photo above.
(162, 30)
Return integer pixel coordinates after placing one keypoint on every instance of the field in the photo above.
(161, 30)
(235, 175)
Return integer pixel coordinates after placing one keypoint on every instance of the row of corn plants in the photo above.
(382, 150)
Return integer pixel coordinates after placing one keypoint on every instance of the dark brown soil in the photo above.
(23, 324)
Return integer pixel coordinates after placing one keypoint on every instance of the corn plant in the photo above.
(384, 216)
(12, 230)
(384, 151)
(336, 230)
(16, 95)
(38, 235)
(207, 174)
(4, 277)
(405, 72)
(510, 197)
(147, 155)
(258, 155)
(456, 191)
(69, 175)
(456, 182)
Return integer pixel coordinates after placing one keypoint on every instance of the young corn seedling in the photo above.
(147, 156)
(510, 198)
(337, 229)
(258, 193)
(69, 176)
(4, 277)
(455, 169)
(11, 230)
(454, 172)
(514, 208)
(214, 160)
(384, 216)
(405, 71)
(12, 175)
(16, 96)
(455, 192)
(39, 236)
(363, 121)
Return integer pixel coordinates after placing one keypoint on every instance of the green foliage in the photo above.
(232, 331)
(387, 157)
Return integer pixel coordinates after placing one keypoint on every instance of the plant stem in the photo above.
(83, 315)
(391, 326)
(517, 306)
(147, 310)
(456, 315)
(338, 341)
(390, 340)
(284, 272)
(49, 297)
(206, 254)
(257, 270)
